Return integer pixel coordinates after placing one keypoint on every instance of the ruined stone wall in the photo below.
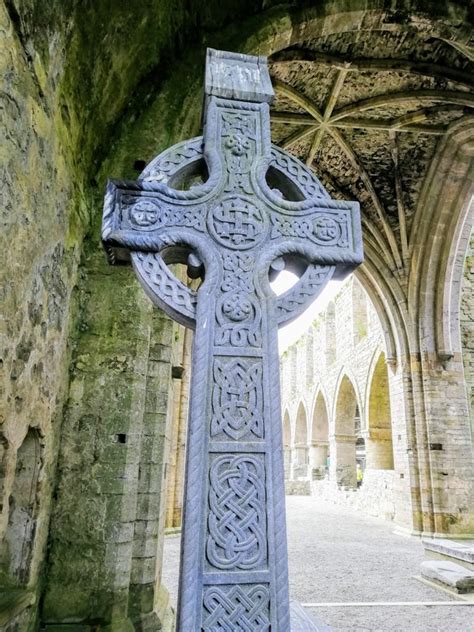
(40, 212)
(344, 342)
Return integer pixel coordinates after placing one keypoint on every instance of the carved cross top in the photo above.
(237, 210)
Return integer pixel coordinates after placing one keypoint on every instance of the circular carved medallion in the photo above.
(144, 214)
(237, 223)
(326, 229)
(236, 307)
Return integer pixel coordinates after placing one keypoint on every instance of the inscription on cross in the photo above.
(259, 210)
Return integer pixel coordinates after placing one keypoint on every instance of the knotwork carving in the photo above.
(236, 522)
(237, 223)
(236, 609)
(238, 132)
(167, 163)
(146, 214)
(152, 267)
(237, 400)
(299, 297)
(306, 180)
(238, 272)
(325, 230)
(239, 321)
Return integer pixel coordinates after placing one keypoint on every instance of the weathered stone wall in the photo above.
(467, 324)
(113, 448)
(41, 211)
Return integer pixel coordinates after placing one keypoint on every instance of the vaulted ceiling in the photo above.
(366, 110)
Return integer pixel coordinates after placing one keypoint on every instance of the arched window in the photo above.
(300, 460)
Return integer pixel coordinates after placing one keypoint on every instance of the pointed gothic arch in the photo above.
(319, 435)
(300, 452)
(343, 448)
(379, 421)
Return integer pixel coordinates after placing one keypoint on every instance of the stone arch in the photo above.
(319, 436)
(379, 422)
(439, 238)
(287, 443)
(18, 544)
(300, 451)
(343, 445)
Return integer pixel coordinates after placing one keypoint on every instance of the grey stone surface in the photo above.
(451, 548)
(259, 211)
(450, 574)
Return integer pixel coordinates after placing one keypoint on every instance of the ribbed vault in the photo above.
(366, 110)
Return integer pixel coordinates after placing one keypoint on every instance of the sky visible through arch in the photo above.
(290, 333)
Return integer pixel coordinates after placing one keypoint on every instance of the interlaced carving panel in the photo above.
(148, 214)
(301, 295)
(238, 268)
(237, 400)
(236, 608)
(238, 311)
(236, 523)
(160, 278)
(237, 223)
(330, 229)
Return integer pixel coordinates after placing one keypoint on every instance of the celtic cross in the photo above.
(235, 210)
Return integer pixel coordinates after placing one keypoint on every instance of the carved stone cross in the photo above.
(259, 211)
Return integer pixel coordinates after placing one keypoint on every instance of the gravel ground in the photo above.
(336, 555)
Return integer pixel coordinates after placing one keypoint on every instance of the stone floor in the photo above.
(336, 555)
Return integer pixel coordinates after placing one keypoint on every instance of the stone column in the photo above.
(317, 458)
(300, 460)
(342, 469)
(379, 450)
(287, 456)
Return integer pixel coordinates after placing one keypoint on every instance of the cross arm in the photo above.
(327, 234)
(136, 214)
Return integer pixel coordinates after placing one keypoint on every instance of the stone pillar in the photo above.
(379, 450)
(300, 461)
(318, 454)
(105, 536)
(342, 468)
(445, 447)
(287, 462)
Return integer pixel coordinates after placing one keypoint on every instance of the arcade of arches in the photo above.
(376, 97)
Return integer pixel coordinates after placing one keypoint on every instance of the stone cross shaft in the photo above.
(236, 210)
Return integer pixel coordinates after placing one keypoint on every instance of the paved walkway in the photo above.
(336, 555)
